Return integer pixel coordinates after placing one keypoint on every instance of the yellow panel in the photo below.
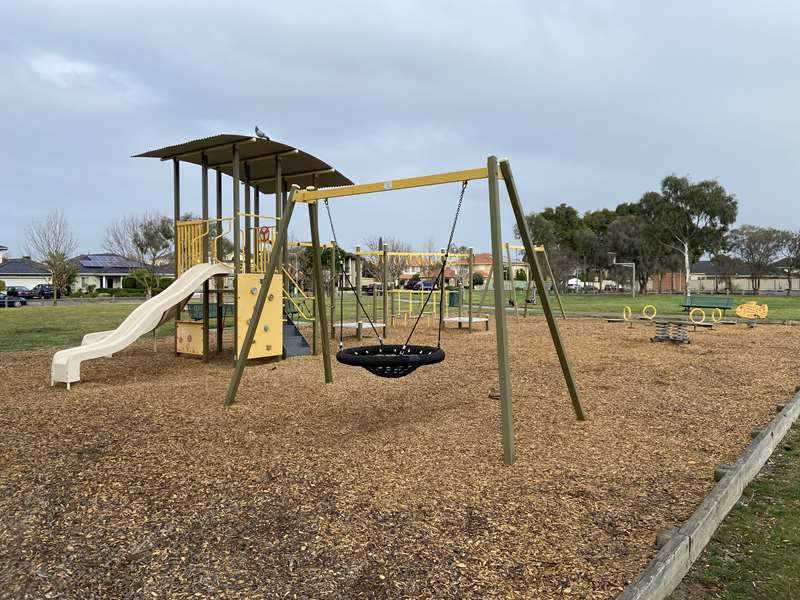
(268, 340)
(190, 337)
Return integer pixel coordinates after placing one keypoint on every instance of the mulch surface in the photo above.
(137, 483)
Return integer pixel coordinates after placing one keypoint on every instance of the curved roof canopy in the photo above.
(257, 155)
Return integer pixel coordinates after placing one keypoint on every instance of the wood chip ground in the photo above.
(137, 483)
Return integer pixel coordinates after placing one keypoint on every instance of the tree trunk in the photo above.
(687, 268)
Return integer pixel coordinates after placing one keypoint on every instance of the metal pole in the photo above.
(471, 285)
(319, 290)
(385, 289)
(176, 197)
(272, 264)
(519, 214)
(237, 248)
(204, 194)
(248, 249)
(334, 267)
(375, 291)
(527, 291)
(555, 285)
(358, 292)
(506, 402)
(220, 285)
(512, 280)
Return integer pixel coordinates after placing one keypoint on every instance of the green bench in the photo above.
(196, 311)
(721, 302)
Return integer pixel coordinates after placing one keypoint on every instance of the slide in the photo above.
(146, 317)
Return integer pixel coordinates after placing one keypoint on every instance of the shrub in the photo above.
(91, 288)
(130, 283)
(164, 282)
(520, 275)
(103, 295)
(477, 279)
(2, 286)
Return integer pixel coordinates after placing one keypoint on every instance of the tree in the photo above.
(727, 267)
(396, 264)
(757, 248)
(693, 218)
(51, 242)
(153, 240)
(144, 239)
(790, 251)
(477, 279)
(631, 238)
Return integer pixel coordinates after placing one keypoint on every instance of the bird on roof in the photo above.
(261, 134)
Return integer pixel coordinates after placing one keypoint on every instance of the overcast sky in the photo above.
(593, 103)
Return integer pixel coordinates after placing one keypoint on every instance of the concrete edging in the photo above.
(667, 569)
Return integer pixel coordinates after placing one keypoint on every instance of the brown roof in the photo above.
(259, 156)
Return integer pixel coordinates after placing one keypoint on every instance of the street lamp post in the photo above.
(613, 257)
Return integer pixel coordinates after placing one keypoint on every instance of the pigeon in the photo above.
(261, 134)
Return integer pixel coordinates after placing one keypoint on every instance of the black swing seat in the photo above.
(390, 360)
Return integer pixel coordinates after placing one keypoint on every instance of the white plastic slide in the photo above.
(145, 317)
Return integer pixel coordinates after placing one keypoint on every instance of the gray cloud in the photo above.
(593, 103)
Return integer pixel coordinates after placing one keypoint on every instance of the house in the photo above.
(106, 270)
(23, 271)
(3, 252)
(706, 278)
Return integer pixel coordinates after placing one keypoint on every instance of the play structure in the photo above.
(263, 296)
(228, 284)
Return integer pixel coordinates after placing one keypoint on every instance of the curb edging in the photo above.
(669, 566)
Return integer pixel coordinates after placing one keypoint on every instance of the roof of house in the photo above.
(709, 268)
(22, 266)
(3, 248)
(103, 264)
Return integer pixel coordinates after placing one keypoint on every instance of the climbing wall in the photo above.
(269, 334)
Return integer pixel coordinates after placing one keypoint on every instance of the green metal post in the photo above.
(248, 233)
(176, 197)
(319, 289)
(237, 247)
(519, 214)
(358, 292)
(555, 285)
(512, 280)
(385, 288)
(375, 291)
(220, 283)
(334, 266)
(471, 285)
(204, 208)
(272, 264)
(506, 405)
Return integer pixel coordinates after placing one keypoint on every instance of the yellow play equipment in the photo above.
(752, 310)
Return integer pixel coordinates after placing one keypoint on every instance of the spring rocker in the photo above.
(399, 360)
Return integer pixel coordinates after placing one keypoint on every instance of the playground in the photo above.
(137, 481)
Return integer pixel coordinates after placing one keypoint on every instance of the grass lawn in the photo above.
(36, 327)
(755, 553)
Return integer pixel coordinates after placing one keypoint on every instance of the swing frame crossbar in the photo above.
(494, 171)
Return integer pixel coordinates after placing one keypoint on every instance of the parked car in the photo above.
(20, 291)
(409, 285)
(425, 285)
(612, 287)
(11, 301)
(42, 290)
(371, 288)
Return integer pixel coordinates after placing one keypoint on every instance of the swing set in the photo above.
(399, 360)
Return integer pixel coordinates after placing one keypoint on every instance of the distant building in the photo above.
(23, 271)
(101, 270)
(705, 278)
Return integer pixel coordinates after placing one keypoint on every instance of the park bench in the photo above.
(721, 302)
(196, 310)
